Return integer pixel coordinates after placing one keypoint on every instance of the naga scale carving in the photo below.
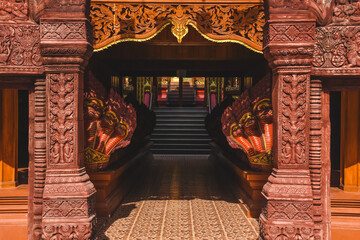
(117, 22)
(109, 125)
(248, 125)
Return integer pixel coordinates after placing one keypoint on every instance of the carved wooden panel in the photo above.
(117, 22)
(19, 48)
(62, 118)
(337, 50)
(14, 10)
(293, 119)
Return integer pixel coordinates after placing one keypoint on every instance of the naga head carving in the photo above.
(109, 124)
(263, 111)
(247, 125)
(248, 121)
(94, 108)
(236, 130)
(109, 119)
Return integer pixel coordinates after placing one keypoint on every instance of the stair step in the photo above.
(180, 130)
(180, 141)
(181, 145)
(181, 151)
(181, 135)
(180, 121)
(180, 116)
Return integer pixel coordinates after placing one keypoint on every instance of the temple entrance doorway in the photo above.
(179, 92)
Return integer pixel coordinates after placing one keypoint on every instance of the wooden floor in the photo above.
(180, 198)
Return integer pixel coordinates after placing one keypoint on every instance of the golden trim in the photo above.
(132, 39)
(264, 158)
(225, 40)
(260, 102)
(179, 41)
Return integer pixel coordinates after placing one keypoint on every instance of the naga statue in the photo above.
(248, 125)
(109, 125)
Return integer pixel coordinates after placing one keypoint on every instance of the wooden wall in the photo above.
(350, 141)
(8, 137)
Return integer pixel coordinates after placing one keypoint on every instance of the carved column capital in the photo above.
(288, 44)
(65, 41)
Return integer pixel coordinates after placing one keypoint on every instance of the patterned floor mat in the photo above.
(180, 198)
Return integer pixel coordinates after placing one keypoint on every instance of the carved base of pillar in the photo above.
(69, 205)
(288, 213)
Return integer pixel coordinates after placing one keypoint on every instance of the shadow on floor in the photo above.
(179, 198)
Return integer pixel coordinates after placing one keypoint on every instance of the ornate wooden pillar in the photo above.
(68, 198)
(288, 46)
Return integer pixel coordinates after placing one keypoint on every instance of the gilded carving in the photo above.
(62, 118)
(118, 22)
(293, 119)
(109, 125)
(248, 125)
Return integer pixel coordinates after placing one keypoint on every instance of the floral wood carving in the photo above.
(293, 119)
(108, 125)
(68, 231)
(248, 125)
(337, 47)
(118, 22)
(62, 118)
(346, 12)
(13, 10)
(19, 47)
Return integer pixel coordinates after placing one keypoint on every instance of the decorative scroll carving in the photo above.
(293, 119)
(248, 125)
(109, 126)
(281, 231)
(62, 118)
(68, 231)
(13, 10)
(337, 47)
(118, 22)
(19, 47)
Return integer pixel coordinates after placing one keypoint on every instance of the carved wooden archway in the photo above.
(114, 21)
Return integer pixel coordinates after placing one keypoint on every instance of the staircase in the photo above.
(180, 131)
(188, 94)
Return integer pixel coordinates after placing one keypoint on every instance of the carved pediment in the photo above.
(118, 22)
